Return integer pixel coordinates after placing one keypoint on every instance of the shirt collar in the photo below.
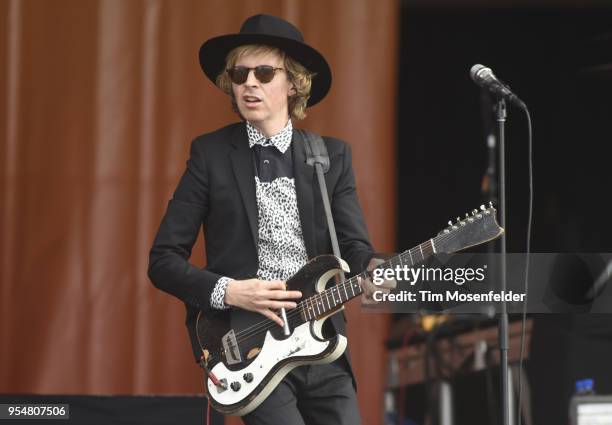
(281, 140)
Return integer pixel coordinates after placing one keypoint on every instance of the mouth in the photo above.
(251, 100)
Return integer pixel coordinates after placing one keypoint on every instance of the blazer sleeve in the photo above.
(169, 267)
(348, 218)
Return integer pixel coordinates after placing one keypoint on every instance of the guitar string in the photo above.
(303, 306)
(267, 324)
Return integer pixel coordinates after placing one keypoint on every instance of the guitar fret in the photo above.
(309, 309)
(329, 299)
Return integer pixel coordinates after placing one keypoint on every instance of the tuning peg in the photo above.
(458, 219)
(482, 208)
(490, 204)
(450, 222)
(474, 211)
(466, 215)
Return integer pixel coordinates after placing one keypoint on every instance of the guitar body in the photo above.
(251, 359)
(246, 355)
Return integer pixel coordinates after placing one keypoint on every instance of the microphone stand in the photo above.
(503, 318)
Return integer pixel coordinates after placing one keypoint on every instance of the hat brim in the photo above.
(214, 51)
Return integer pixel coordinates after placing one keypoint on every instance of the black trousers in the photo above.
(310, 395)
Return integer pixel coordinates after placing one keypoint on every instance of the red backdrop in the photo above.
(100, 100)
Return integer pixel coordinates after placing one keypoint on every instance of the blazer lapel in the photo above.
(304, 186)
(242, 163)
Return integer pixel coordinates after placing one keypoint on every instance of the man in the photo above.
(249, 186)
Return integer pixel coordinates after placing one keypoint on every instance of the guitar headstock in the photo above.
(476, 228)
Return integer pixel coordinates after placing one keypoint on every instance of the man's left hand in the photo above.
(369, 287)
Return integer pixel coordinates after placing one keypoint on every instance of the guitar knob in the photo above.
(248, 377)
(482, 207)
(235, 386)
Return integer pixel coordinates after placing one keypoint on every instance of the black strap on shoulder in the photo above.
(316, 155)
(316, 151)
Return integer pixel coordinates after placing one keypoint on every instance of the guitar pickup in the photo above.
(230, 348)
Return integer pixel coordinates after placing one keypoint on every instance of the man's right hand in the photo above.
(261, 296)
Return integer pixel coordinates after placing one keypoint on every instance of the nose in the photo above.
(251, 79)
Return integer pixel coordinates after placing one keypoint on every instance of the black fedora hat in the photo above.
(272, 31)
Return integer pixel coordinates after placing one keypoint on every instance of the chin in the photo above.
(252, 116)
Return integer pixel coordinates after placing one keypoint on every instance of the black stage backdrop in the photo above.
(559, 61)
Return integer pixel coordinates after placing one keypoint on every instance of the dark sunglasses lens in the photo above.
(238, 74)
(264, 73)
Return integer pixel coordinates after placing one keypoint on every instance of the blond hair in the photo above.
(300, 77)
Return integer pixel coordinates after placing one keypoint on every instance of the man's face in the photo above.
(263, 104)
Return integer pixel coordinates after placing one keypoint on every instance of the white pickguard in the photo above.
(300, 343)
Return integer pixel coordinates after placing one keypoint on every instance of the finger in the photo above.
(366, 283)
(276, 284)
(367, 301)
(283, 295)
(277, 305)
(272, 316)
(375, 262)
(391, 284)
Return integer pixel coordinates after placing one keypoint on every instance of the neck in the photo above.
(334, 297)
(270, 129)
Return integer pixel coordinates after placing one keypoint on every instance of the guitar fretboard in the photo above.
(334, 297)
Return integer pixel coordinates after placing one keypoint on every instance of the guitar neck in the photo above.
(478, 228)
(333, 298)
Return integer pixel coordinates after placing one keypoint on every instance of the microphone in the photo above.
(485, 78)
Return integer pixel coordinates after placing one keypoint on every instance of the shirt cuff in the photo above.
(217, 299)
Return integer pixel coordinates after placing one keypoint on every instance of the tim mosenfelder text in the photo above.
(459, 276)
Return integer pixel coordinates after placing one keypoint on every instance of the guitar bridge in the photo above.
(230, 348)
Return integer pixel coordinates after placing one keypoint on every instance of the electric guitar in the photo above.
(244, 364)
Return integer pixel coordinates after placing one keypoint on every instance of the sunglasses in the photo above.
(263, 73)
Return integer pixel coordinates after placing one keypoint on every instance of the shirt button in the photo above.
(266, 162)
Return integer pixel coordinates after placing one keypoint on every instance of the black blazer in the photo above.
(217, 191)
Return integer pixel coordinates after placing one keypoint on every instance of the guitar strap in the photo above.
(317, 157)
